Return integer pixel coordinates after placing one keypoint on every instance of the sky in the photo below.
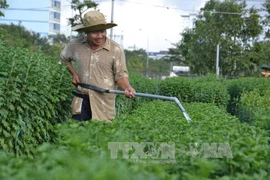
(153, 25)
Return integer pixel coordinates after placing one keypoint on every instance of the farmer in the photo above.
(100, 62)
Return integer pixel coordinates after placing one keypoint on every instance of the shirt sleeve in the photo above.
(120, 69)
(67, 52)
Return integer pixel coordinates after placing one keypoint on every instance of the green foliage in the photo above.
(142, 85)
(266, 20)
(3, 5)
(211, 92)
(238, 86)
(261, 51)
(82, 152)
(254, 108)
(261, 175)
(237, 55)
(137, 63)
(163, 122)
(59, 39)
(33, 97)
(158, 68)
(81, 7)
(207, 89)
(21, 37)
(177, 87)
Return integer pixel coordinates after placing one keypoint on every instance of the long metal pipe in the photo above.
(153, 96)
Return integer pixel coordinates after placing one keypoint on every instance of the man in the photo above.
(101, 62)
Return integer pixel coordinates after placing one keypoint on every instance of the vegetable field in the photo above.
(228, 137)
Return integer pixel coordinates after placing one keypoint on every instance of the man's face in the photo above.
(97, 38)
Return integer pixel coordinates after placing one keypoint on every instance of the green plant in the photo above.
(34, 95)
(253, 107)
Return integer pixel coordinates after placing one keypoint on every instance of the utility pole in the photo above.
(72, 6)
(217, 61)
(112, 12)
(147, 53)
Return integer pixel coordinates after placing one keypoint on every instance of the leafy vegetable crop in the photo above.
(82, 152)
(33, 96)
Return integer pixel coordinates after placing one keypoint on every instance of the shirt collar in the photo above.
(106, 45)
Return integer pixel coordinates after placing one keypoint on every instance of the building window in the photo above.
(56, 27)
(56, 4)
(56, 15)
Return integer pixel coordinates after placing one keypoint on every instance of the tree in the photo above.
(3, 5)
(174, 56)
(77, 5)
(228, 23)
(136, 60)
(266, 20)
(59, 39)
(21, 37)
(158, 68)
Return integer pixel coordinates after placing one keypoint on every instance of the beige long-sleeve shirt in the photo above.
(102, 68)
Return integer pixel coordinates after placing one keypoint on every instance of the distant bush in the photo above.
(238, 86)
(207, 89)
(141, 84)
(254, 108)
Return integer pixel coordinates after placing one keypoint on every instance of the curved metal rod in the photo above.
(153, 96)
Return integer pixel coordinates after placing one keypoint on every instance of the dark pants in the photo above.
(86, 113)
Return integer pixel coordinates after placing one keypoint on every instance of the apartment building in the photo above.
(40, 16)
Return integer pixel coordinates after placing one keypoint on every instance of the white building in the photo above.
(40, 16)
(189, 20)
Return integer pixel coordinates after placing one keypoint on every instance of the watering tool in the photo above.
(153, 96)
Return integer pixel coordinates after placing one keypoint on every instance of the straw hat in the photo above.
(93, 21)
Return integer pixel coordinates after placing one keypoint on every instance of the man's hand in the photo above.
(75, 79)
(123, 83)
(130, 92)
(75, 76)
